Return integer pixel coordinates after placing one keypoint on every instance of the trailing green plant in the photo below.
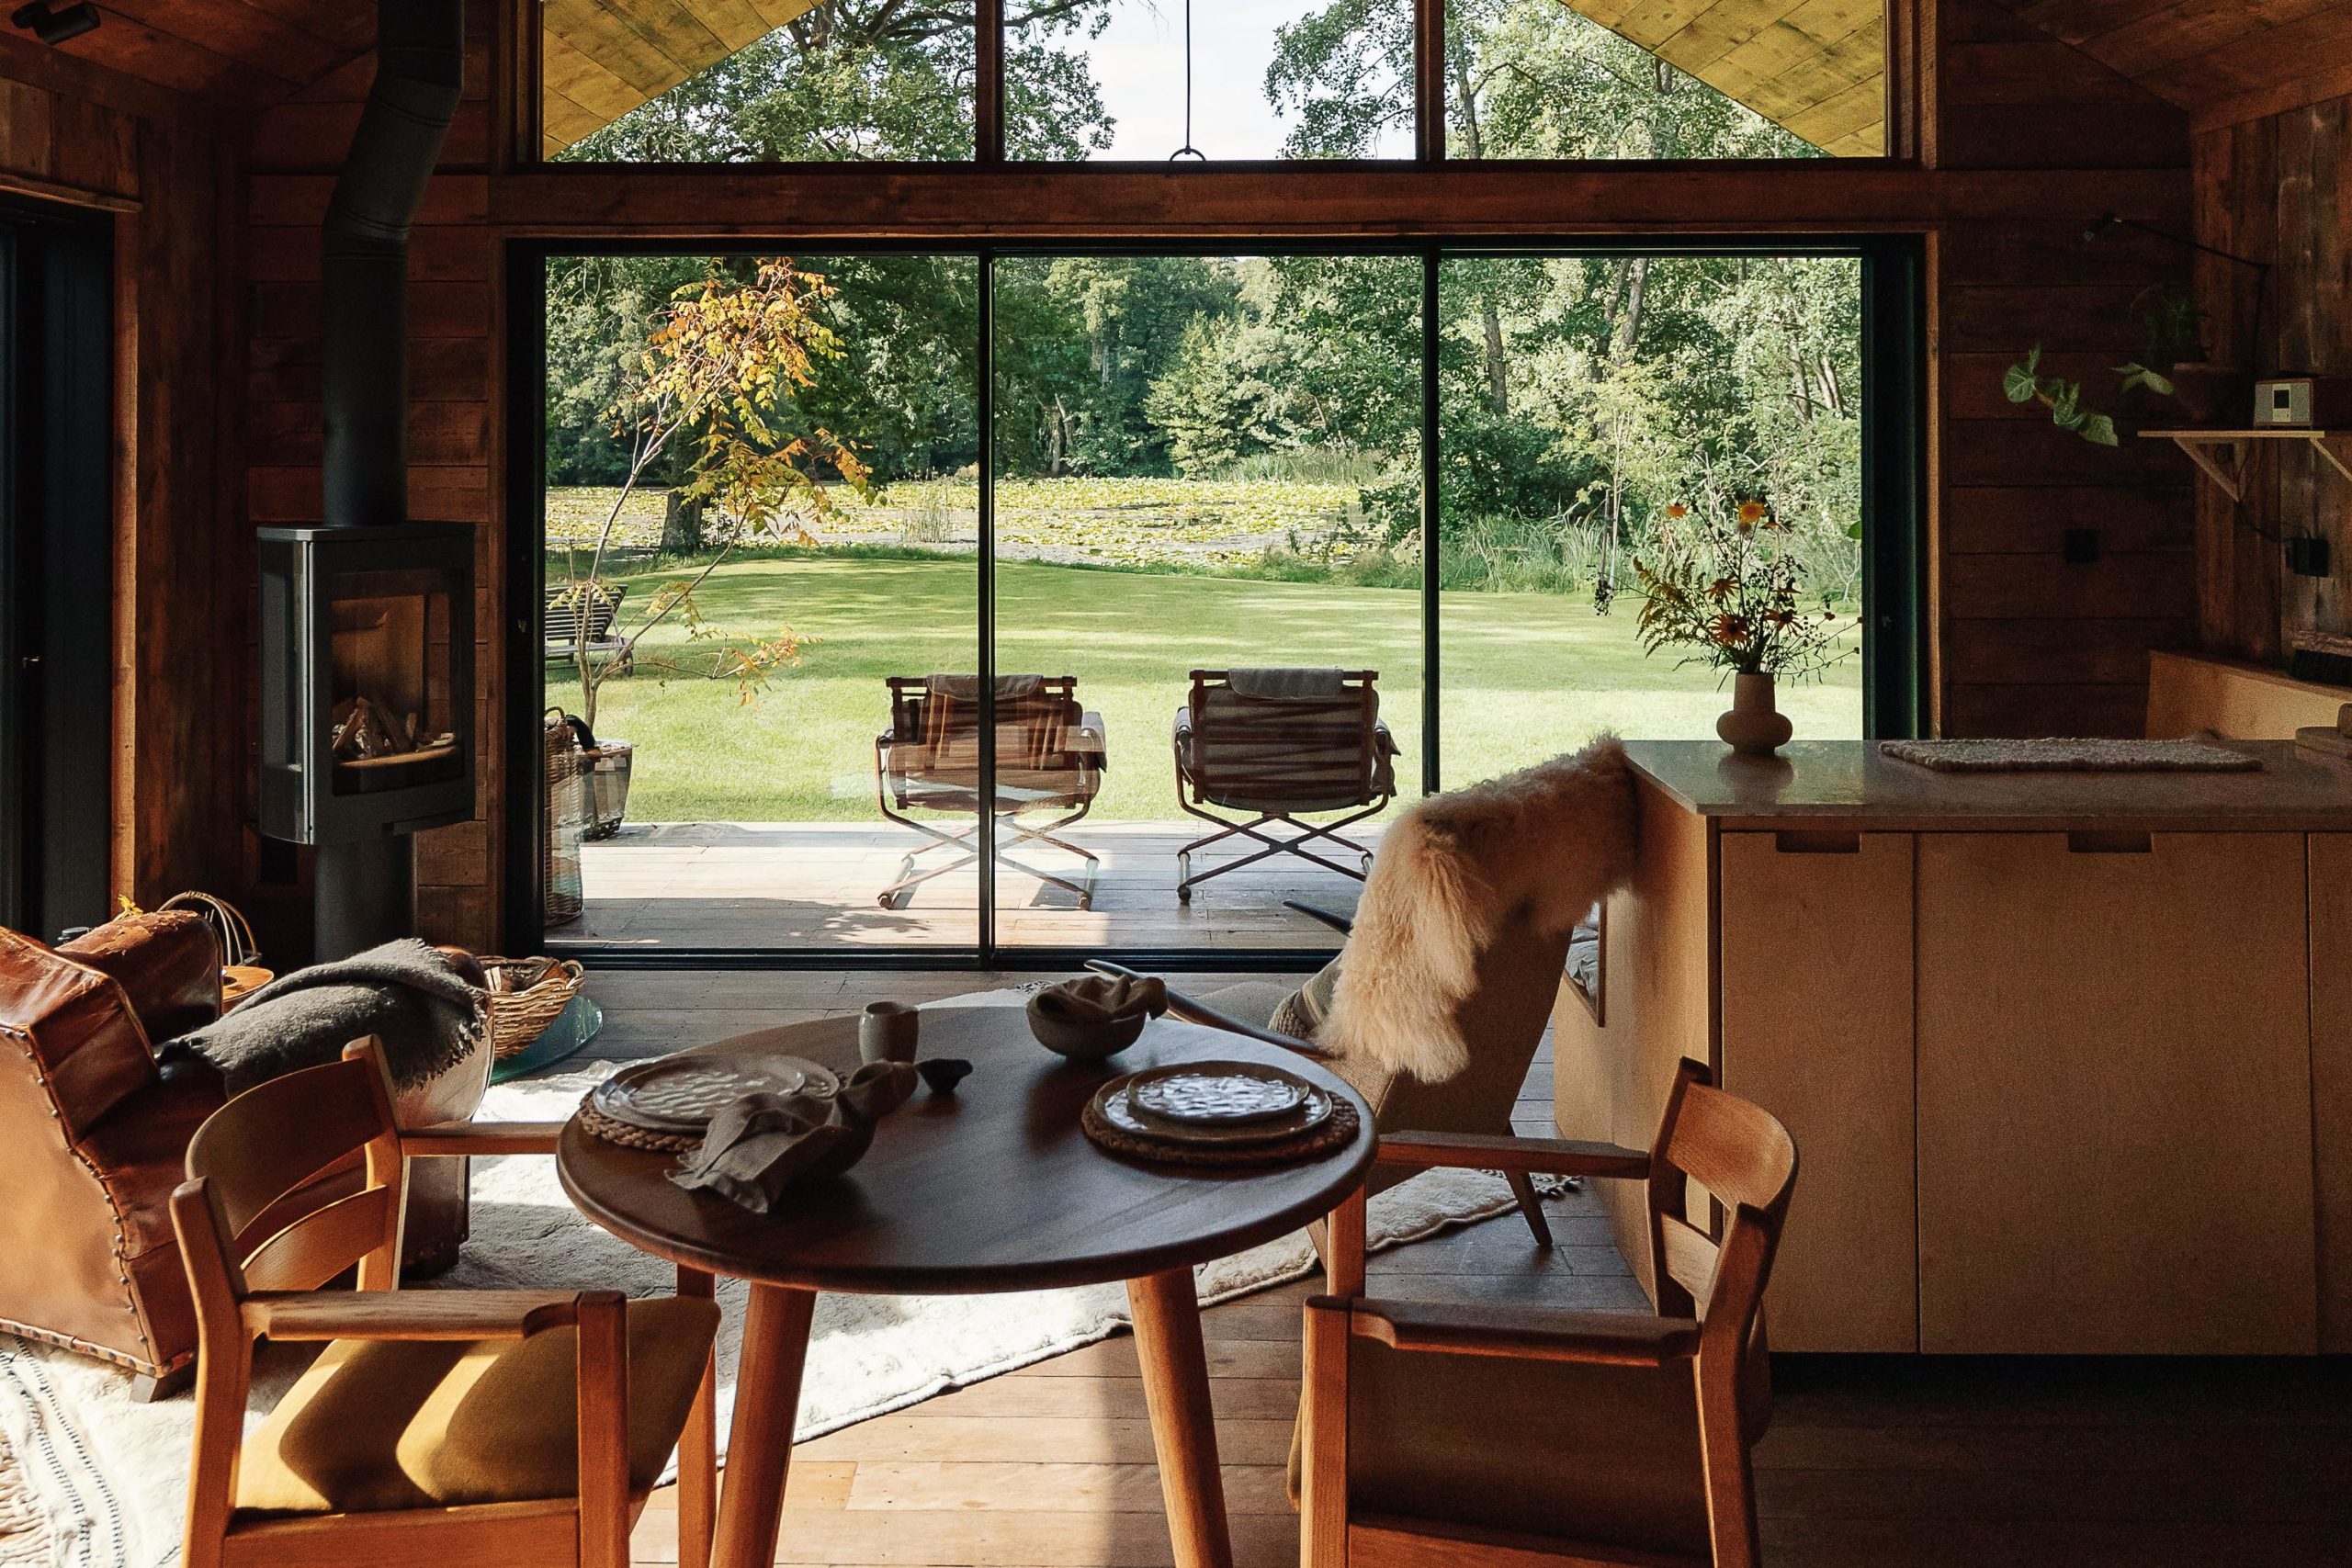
(2172, 333)
(2025, 383)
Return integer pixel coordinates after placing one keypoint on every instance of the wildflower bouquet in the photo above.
(1719, 588)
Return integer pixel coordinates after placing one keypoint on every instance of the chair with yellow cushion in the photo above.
(437, 1426)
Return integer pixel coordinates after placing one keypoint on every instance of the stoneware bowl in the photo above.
(1084, 1041)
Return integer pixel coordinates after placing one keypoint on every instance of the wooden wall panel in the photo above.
(75, 133)
(453, 327)
(2028, 643)
(2278, 190)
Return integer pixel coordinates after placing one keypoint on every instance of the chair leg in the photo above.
(1531, 1204)
(698, 1450)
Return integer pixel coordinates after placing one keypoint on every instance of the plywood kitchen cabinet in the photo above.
(2114, 1093)
(2067, 1058)
(1842, 901)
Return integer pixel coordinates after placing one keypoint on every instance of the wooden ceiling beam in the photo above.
(2223, 60)
(866, 201)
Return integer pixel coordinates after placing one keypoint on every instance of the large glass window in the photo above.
(1604, 416)
(1218, 80)
(756, 82)
(1602, 79)
(785, 81)
(1075, 602)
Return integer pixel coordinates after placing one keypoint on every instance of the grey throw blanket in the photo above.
(405, 993)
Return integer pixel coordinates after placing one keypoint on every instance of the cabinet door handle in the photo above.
(2108, 842)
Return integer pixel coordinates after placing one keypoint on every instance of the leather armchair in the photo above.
(97, 1134)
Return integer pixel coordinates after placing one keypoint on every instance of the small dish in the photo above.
(679, 1094)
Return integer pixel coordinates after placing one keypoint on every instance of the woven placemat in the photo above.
(2071, 756)
(597, 1124)
(1334, 1134)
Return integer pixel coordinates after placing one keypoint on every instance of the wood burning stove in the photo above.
(366, 679)
(366, 684)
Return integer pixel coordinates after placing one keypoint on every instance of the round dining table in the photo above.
(994, 1187)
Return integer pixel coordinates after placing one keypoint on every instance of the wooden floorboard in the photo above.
(1872, 1463)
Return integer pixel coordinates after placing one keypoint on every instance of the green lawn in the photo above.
(1526, 675)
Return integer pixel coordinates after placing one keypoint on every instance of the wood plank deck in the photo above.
(710, 884)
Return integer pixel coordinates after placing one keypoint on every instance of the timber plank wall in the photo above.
(167, 170)
(2276, 189)
(2030, 140)
(2028, 644)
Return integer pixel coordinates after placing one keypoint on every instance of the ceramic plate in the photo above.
(679, 1094)
(1217, 1094)
(1118, 1109)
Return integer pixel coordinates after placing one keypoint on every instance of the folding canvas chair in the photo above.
(1049, 760)
(1278, 744)
(567, 604)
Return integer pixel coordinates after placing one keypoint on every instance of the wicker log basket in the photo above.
(526, 996)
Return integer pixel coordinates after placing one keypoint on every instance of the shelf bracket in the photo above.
(2319, 444)
(2230, 473)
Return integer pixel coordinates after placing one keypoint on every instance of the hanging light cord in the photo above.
(1188, 150)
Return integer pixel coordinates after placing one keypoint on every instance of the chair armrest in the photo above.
(1460, 1328)
(1339, 923)
(1500, 1151)
(1191, 1010)
(409, 1314)
(456, 1139)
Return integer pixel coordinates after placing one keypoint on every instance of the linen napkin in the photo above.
(1102, 998)
(758, 1145)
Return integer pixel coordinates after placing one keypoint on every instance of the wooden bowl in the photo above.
(1084, 1041)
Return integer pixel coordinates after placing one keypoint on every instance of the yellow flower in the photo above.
(1677, 509)
(1751, 513)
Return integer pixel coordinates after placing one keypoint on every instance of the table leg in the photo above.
(758, 1447)
(1183, 1429)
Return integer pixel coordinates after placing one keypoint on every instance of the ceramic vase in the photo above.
(1755, 726)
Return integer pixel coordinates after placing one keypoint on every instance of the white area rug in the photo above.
(89, 1479)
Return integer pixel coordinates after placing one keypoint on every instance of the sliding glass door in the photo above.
(1025, 605)
(1206, 520)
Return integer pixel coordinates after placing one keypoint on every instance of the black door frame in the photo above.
(56, 565)
(1894, 566)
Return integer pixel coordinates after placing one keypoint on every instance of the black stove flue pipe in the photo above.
(366, 889)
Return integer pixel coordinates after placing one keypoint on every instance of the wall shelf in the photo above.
(2221, 454)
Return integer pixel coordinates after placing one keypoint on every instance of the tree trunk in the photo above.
(1629, 326)
(681, 524)
(1466, 98)
(1497, 369)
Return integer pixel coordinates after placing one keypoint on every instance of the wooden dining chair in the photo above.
(436, 1427)
(1440, 1433)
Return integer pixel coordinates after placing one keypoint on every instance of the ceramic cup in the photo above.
(886, 1033)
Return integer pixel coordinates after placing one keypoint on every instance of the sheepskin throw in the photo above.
(1541, 845)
